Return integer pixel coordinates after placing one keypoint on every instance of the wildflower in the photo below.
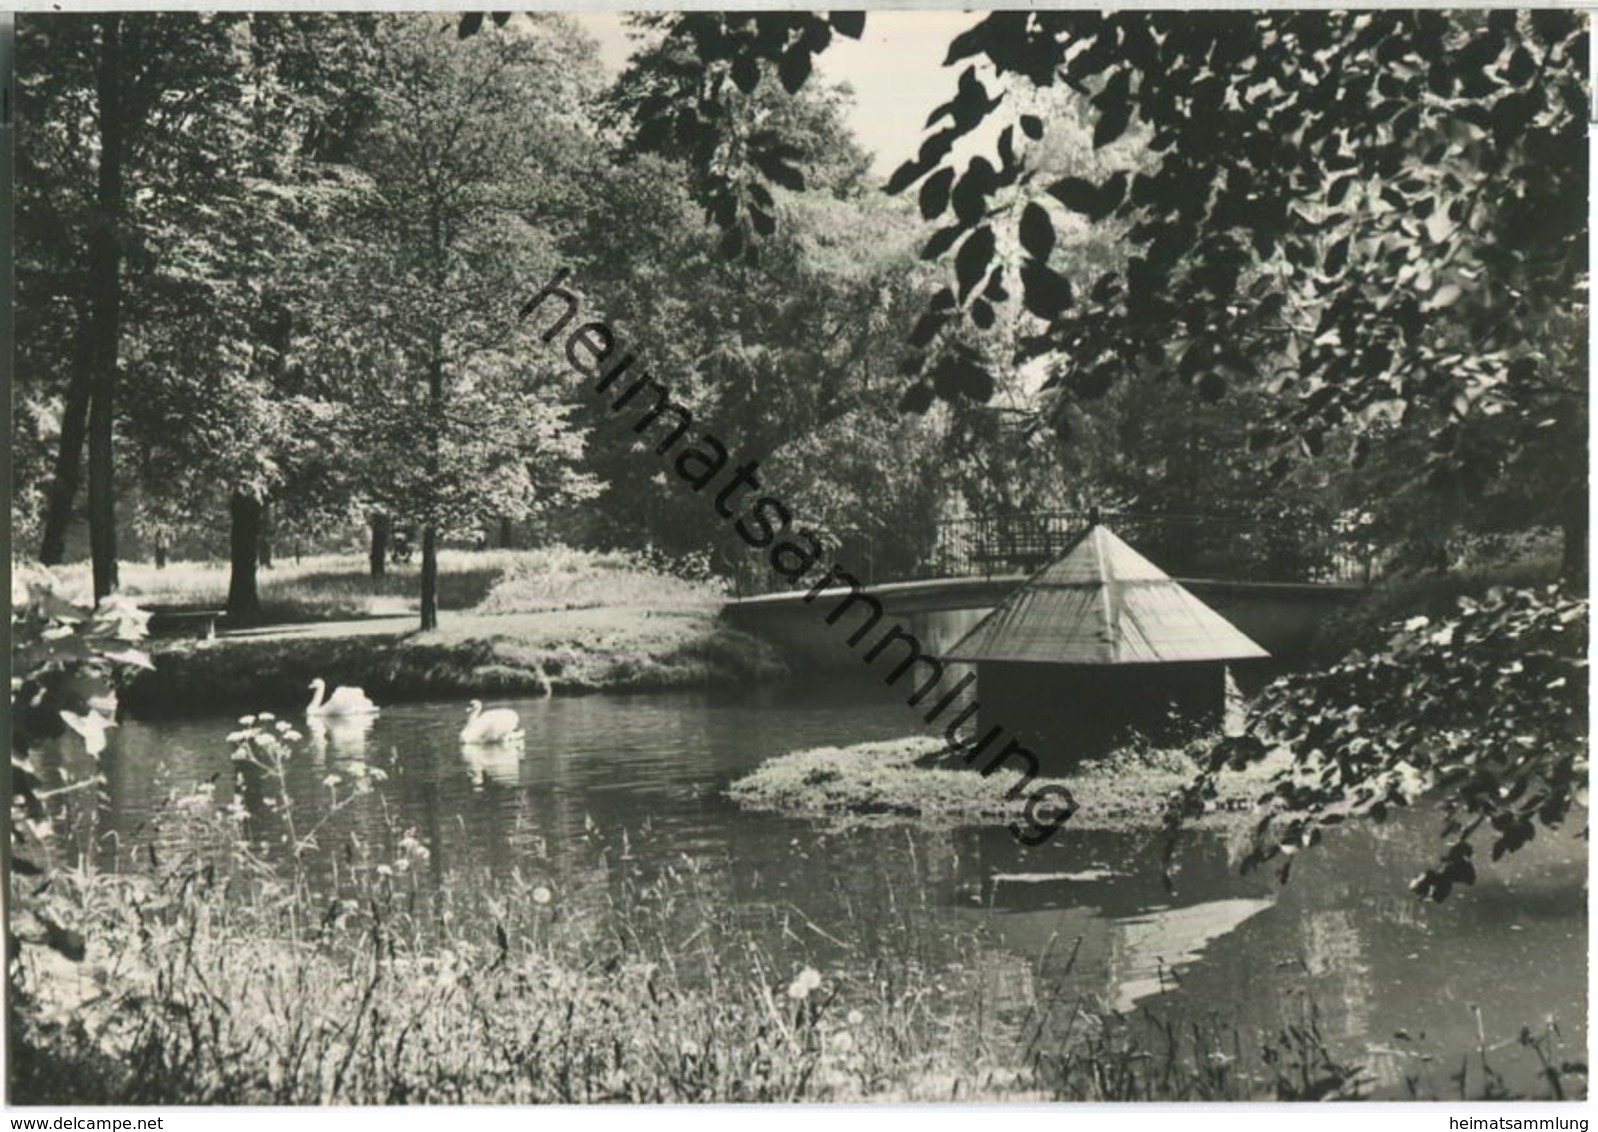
(266, 717)
(690, 1048)
(542, 895)
(236, 736)
(841, 1042)
(246, 721)
(855, 1018)
(805, 982)
(292, 736)
(412, 846)
(92, 727)
(331, 780)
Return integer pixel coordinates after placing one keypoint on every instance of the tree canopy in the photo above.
(1379, 217)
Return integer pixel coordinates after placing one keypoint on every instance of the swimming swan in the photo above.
(343, 701)
(498, 726)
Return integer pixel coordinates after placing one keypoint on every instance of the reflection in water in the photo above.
(1334, 953)
(339, 737)
(493, 762)
(1154, 949)
(1083, 918)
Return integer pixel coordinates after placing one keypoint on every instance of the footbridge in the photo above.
(1281, 616)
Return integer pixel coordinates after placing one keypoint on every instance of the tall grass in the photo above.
(241, 954)
(346, 977)
(216, 992)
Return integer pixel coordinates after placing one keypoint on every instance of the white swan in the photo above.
(343, 701)
(498, 726)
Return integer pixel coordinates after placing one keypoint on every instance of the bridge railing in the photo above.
(1191, 546)
(1211, 546)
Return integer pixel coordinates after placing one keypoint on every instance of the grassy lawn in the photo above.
(337, 587)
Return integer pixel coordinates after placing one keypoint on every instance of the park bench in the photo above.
(184, 622)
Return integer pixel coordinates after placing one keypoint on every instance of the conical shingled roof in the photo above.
(1103, 603)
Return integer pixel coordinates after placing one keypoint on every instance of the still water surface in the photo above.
(1083, 918)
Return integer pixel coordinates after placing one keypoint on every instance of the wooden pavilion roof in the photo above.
(1103, 603)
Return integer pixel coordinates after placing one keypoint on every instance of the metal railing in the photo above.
(1193, 546)
(1215, 546)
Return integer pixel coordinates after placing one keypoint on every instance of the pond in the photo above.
(1403, 987)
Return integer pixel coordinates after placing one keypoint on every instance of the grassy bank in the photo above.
(514, 622)
(567, 651)
(883, 783)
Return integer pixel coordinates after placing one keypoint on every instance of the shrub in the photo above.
(66, 661)
(1484, 711)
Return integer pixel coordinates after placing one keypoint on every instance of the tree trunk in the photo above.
(264, 550)
(378, 558)
(104, 290)
(435, 423)
(507, 530)
(435, 430)
(69, 457)
(160, 552)
(429, 578)
(244, 539)
(1574, 528)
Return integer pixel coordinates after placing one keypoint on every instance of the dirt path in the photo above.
(363, 627)
(455, 626)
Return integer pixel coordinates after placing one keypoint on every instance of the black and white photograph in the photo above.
(1027, 559)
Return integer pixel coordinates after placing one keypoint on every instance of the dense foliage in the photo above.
(1483, 713)
(315, 335)
(1377, 217)
(66, 661)
(461, 188)
(686, 97)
